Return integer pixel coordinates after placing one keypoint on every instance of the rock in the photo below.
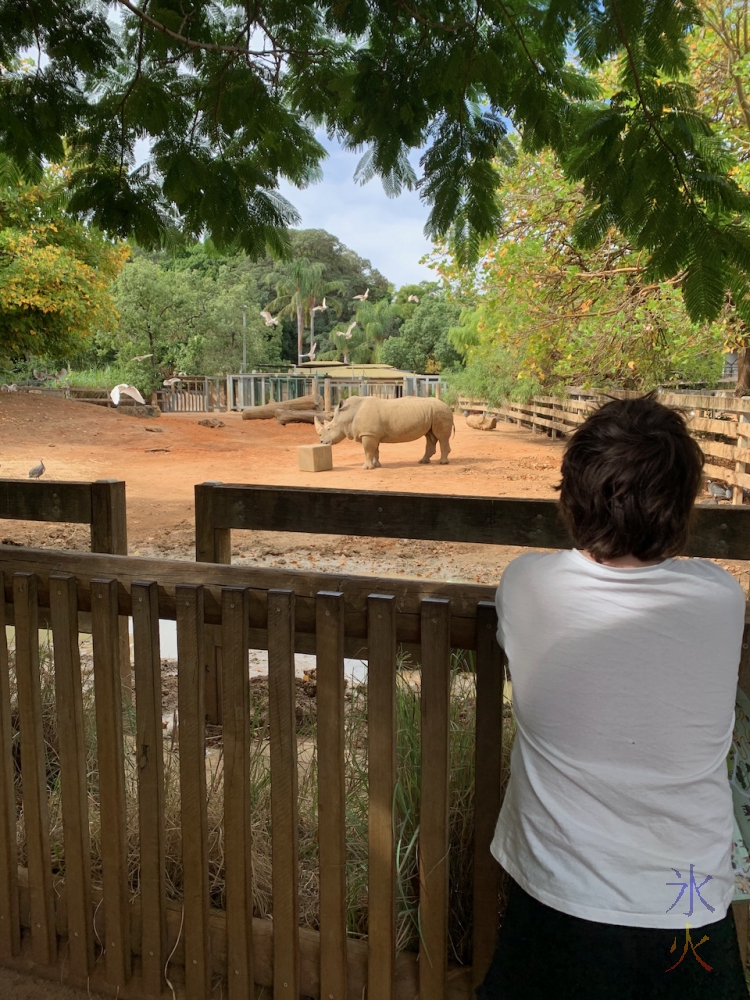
(212, 422)
(136, 410)
(480, 422)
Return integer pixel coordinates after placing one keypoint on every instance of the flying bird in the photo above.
(348, 333)
(37, 471)
(270, 320)
(311, 354)
(361, 298)
(317, 309)
(171, 382)
(142, 357)
(123, 389)
(413, 298)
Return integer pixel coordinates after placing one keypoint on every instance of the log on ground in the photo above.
(285, 416)
(268, 411)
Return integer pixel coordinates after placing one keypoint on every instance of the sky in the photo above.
(386, 231)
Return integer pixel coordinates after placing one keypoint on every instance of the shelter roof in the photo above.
(337, 369)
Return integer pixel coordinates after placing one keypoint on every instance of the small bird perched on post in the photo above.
(37, 471)
(720, 492)
(362, 298)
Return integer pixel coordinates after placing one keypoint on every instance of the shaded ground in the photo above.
(161, 460)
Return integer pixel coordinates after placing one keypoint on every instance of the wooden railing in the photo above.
(717, 422)
(203, 394)
(51, 920)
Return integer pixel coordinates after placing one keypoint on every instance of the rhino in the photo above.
(375, 421)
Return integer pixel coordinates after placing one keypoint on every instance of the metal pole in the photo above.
(244, 341)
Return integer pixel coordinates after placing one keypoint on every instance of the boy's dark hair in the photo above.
(630, 476)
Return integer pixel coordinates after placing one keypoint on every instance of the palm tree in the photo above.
(300, 289)
(376, 322)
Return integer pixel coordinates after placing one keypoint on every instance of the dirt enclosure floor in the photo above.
(162, 458)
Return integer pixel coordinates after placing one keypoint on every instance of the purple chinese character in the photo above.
(693, 887)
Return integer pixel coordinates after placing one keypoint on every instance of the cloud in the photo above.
(386, 231)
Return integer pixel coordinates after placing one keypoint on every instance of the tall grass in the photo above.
(406, 803)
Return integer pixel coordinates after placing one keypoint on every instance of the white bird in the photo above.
(37, 471)
(123, 389)
(317, 309)
(182, 374)
(311, 354)
(413, 298)
(362, 298)
(171, 382)
(348, 333)
(141, 357)
(720, 492)
(270, 320)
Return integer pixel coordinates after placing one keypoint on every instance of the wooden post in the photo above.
(189, 603)
(63, 595)
(284, 812)
(10, 920)
(742, 442)
(488, 765)
(109, 738)
(381, 758)
(109, 533)
(235, 615)
(35, 807)
(211, 545)
(150, 758)
(433, 817)
(331, 793)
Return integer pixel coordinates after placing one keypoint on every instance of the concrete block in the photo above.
(315, 457)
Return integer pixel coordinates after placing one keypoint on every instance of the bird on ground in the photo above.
(413, 298)
(361, 298)
(720, 492)
(141, 357)
(123, 389)
(347, 333)
(317, 309)
(37, 471)
(270, 320)
(171, 383)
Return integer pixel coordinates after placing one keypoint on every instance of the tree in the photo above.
(55, 272)
(300, 288)
(229, 94)
(422, 344)
(542, 314)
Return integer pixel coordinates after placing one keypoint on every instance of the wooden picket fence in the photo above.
(265, 609)
(717, 422)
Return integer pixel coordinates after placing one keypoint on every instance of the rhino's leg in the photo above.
(445, 448)
(370, 444)
(376, 457)
(430, 449)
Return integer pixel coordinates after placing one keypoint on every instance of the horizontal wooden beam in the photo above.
(719, 532)
(51, 500)
(409, 593)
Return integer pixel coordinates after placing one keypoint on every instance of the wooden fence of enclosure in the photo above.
(56, 915)
(716, 421)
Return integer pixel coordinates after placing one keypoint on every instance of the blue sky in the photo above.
(386, 231)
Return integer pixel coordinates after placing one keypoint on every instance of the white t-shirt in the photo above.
(624, 684)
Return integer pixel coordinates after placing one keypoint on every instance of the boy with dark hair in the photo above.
(616, 828)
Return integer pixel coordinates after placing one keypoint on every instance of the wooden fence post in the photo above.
(109, 533)
(211, 545)
(150, 758)
(742, 442)
(10, 920)
(63, 596)
(433, 816)
(35, 807)
(326, 394)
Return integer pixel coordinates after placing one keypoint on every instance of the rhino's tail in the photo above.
(454, 428)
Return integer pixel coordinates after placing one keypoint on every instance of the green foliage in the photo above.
(541, 313)
(229, 95)
(55, 272)
(423, 344)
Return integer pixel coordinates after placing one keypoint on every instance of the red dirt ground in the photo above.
(80, 441)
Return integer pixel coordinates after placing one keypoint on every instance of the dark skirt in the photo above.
(543, 953)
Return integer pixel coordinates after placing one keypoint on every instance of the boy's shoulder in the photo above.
(709, 571)
(533, 562)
